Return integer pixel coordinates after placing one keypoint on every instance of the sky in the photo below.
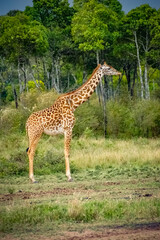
(7, 5)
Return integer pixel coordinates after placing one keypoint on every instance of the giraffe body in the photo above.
(59, 118)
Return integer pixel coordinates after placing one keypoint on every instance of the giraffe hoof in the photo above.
(70, 180)
(35, 182)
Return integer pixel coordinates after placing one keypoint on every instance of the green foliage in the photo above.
(93, 25)
(21, 37)
(10, 120)
(36, 100)
(136, 119)
(52, 13)
(89, 120)
(115, 5)
(125, 118)
(9, 93)
(146, 117)
(15, 165)
(117, 116)
(32, 85)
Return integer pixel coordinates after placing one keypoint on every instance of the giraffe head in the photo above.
(108, 70)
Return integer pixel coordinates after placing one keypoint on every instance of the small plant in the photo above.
(11, 190)
(76, 210)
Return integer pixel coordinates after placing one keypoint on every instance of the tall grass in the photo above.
(89, 153)
(78, 211)
(85, 153)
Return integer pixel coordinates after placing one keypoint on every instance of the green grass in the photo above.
(92, 153)
(116, 182)
(92, 198)
(77, 211)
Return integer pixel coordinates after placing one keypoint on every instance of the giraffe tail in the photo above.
(27, 136)
(27, 149)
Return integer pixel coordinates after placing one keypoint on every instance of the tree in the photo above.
(134, 45)
(154, 55)
(56, 16)
(21, 38)
(115, 5)
(138, 27)
(51, 12)
(13, 13)
(92, 27)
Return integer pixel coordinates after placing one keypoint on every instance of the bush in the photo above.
(118, 118)
(35, 100)
(10, 120)
(134, 119)
(125, 118)
(15, 165)
(146, 117)
(89, 119)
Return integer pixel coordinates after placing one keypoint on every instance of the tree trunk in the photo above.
(106, 87)
(134, 80)
(57, 76)
(139, 65)
(147, 93)
(103, 100)
(15, 97)
(25, 77)
(68, 82)
(46, 75)
(146, 49)
(127, 69)
(53, 79)
(19, 78)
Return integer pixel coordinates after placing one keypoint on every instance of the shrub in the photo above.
(135, 119)
(33, 85)
(89, 119)
(10, 120)
(35, 100)
(146, 117)
(15, 165)
(118, 119)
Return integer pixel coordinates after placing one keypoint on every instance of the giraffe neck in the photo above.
(86, 90)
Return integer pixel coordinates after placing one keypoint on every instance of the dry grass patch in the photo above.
(88, 153)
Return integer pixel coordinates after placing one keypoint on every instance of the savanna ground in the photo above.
(115, 193)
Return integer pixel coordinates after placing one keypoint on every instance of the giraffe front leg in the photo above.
(31, 152)
(67, 140)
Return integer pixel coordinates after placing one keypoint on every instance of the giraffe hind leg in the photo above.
(33, 141)
(67, 140)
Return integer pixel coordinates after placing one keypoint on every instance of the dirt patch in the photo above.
(138, 192)
(139, 232)
(29, 195)
(111, 183)
(55, 191)
(113, 234)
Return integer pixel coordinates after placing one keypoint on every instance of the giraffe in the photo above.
(59, 118)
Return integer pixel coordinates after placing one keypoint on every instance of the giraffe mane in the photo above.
(69, 93)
